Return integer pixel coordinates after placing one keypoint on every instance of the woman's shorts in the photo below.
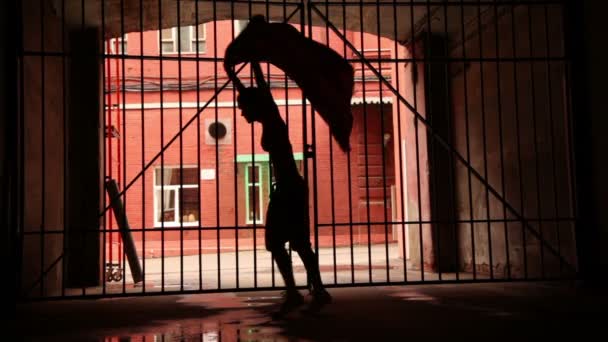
(287, 217)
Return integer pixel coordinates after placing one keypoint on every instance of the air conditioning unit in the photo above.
(219, 131)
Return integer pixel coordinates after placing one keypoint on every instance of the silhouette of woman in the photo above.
(287, 214)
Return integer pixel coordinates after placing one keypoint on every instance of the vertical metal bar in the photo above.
(466, 118)
(518, 140)
(286, 83)
(500, 138)
(349, 172)
(118, 142)
(180, 201)
(236, 192)
(431, 158)
(571, 26)
(181, 145)
(286, 103)
(304, 108)
(314, 166)
(162, 156)
(43, 147)
(217, 152)
(124, 131)
(572, 57)
(255, 228)
(21, 149)
(450, 137)
(143, 140)
(82, 27)
(109, 167)
(198, 151)
(388, 275)
(416, 135)
(269, 156)
(106, 96)
(331, 173)
(536, 154)
(65, 152)
(401, 179)
(552, 127)
(369, 227)
(484, 137)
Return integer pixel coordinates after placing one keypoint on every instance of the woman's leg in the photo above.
(293, 298)
(320, 296)
(312, 267)
(284, 263)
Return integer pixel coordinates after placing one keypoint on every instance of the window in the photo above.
(188, 40)
(257, 179)
(117, 46)
(253, 193)
(167, 191)
(239, 25)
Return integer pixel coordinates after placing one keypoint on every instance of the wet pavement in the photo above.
(492, 311)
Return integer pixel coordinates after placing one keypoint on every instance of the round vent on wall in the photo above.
(217, 130)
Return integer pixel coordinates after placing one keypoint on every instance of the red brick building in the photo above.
(217, 175)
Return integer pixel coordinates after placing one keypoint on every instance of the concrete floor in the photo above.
(348, 265)
(496, 311)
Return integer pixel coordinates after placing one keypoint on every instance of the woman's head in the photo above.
(255, 103)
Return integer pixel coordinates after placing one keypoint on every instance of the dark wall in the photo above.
(513, 119)
(8, 122)
(590, 74)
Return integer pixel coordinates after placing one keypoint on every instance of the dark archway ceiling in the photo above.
(122, 16)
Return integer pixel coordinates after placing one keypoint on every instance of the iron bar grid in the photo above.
(374, 207)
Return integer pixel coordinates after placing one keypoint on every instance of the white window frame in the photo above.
(258, 184)
(193, 41)
(176, 209)
(122, 43)
(235, 24)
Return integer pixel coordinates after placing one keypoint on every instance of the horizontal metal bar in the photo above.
(352, 60)
(560, 219)
(258, 2)
(158, 229)
(154, 229)
(438, 4)
(271, 288)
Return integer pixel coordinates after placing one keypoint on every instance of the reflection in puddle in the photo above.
(244, 334)
(414, 297)
(253, 328)
(262, 301)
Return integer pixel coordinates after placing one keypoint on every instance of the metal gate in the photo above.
(460, 168)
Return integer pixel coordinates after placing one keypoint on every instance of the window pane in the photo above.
(253, 174)
(201, 32)
(165, 205)
(189, 205)
(202, 46)
(171, 176)
(253, 202)
(168, 47)
(190, 176)
(239, 25)
(185, 38)
(167, 34)
(258, 205)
